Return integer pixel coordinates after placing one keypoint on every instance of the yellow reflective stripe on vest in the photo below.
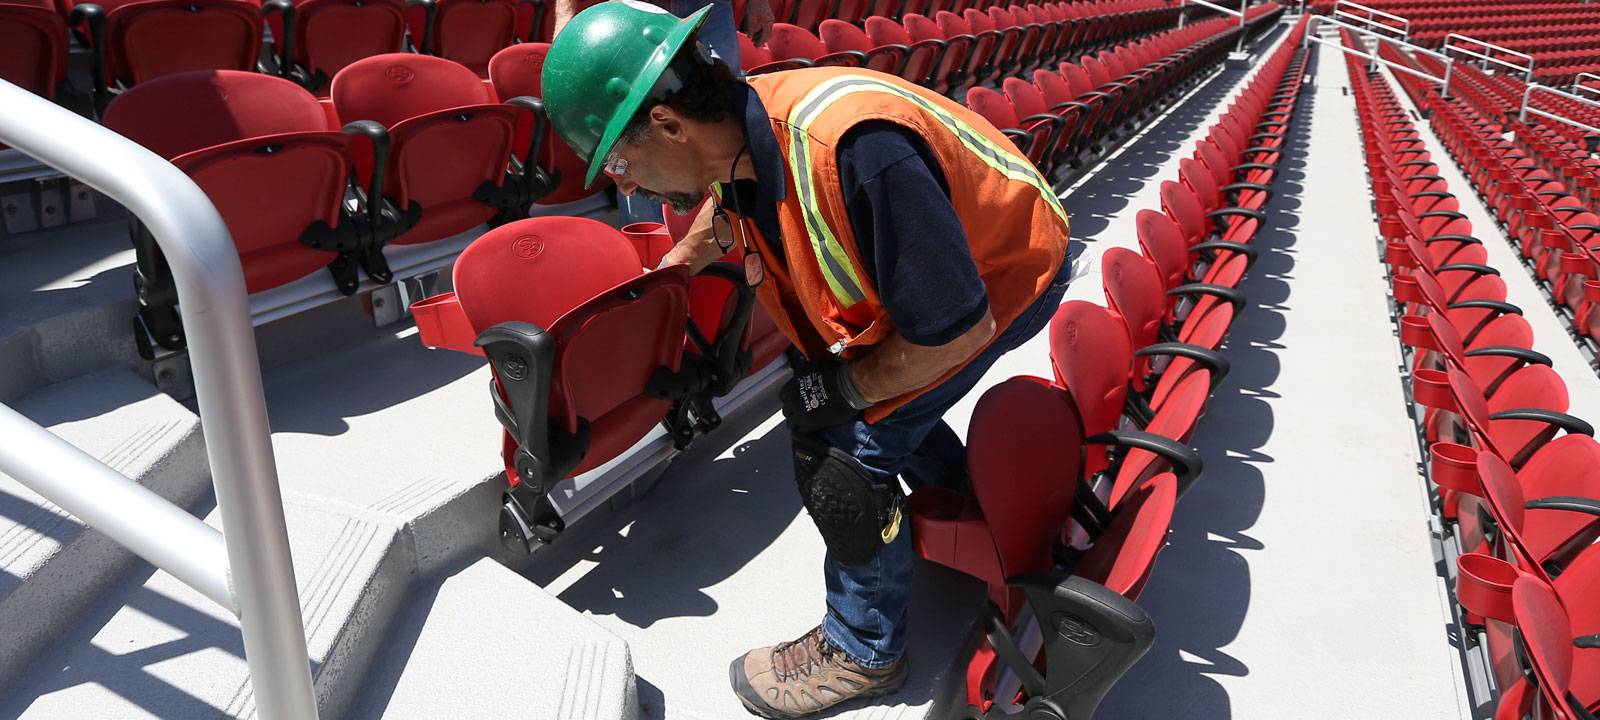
(835, 264)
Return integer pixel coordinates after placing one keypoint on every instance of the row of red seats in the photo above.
(134, 41)
(1068, 112)
(1543, 189)
(137, 40)
(1557, 148)
(809, 14)
(428, 148)
(1495, 95)
(548, 307)
(1455, 8)
(423, 168)
(1148, 361)
(1509, 486)
(950, 52)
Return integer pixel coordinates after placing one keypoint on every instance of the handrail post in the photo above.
(227, 376)
(1578, 86)
(1527, 96)
(1487, 57)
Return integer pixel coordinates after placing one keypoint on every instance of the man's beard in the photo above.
(682, 203)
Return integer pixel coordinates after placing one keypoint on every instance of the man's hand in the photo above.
(758, 21)
(820, 396)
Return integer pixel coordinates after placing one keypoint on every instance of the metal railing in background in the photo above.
(1240, 13)
(1526, 69)
(1369, 17)
(245, 568)
(1578, 86)
(1527, 108)
(1372, 57)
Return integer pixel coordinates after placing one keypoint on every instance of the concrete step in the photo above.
(388, 457)
(482, 642)
(720, 558)
(53, 568)
(154, 647)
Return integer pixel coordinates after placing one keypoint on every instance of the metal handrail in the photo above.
(1371, 17)
(1375, 59)
(1578, 85)
(1241, 12)
(227, 379)
(1449, 62)
(1528, 95)
(111, 503)
(1527, 72)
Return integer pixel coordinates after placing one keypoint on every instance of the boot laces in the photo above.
(797, 658)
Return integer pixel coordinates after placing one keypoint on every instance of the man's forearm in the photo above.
(563, 12)
(895, 366)
(699, 246)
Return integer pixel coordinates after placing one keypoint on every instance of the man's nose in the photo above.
(625, 186)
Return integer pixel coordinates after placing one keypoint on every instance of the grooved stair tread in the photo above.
(483, 642)
(154, 647)
(51, 568)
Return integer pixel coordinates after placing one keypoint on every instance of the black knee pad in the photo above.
(855, 514)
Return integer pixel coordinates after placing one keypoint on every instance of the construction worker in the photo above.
(898, 240)
(720, 37)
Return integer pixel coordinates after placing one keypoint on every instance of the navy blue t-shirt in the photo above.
(911, 241)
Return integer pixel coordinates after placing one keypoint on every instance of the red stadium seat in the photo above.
(327, 35)
(140, 40)
(264, 153)
(35, 38)
(1093, 359)
(1019, 479)
(451, 142)
(469, 32)
(549, 300)
(516, 72)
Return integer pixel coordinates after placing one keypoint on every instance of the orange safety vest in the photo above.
(823, 300)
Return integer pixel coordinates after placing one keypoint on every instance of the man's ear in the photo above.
(669, 123)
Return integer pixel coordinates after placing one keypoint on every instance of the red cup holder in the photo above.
(650, 239)
(442, 323)
(1555, 240)
(1431, 388)
(1537, 219)
(1455, 467)
(947, 528)
(1397, 254)
(1386, 204)
(1391, 227)
(1414, 331)
(1483, 585)
(1575, 263)
(1522, 202)
(1591, 290)
(1406, 290)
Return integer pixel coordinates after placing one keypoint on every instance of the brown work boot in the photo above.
(805, 676)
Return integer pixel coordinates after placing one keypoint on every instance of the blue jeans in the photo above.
(867, 605)
(719, 36)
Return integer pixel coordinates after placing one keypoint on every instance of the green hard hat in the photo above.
(603, 66)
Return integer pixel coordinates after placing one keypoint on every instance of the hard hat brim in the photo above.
(646, 81)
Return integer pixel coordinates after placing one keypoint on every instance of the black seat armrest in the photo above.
(1211, 360)
(1248, 251)
(1185, 461)
(1232, 296)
